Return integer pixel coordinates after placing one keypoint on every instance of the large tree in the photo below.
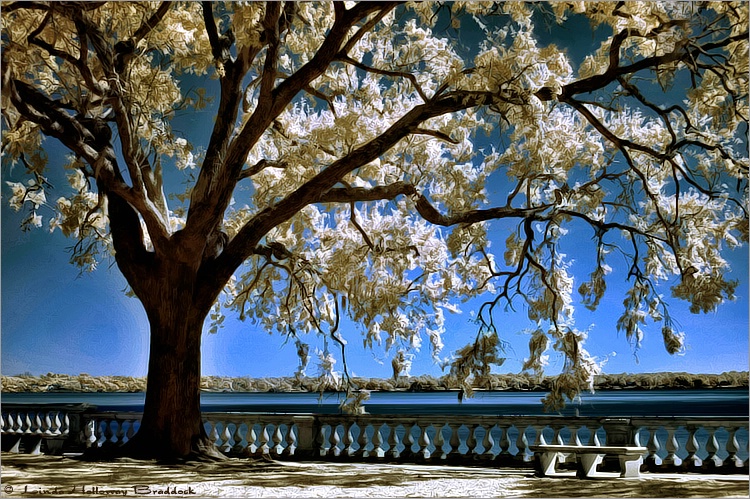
(348, 167)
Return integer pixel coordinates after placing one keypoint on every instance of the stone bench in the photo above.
(588, 458)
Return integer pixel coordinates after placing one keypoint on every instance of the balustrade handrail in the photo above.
(90, 412)
(72, 407)
(509, 420)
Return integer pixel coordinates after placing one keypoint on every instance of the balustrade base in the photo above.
(33, 444)
(726, 468)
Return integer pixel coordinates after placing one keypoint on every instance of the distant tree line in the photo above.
(511, 382)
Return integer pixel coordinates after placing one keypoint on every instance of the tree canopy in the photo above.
(354, 148)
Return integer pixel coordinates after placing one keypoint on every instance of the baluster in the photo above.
(37, 431)
(46, 425)
(55, 425)
(264, 439)
(28, 425)
(557, 438)
(323, 439)
(108, 433)
(393, 441)
(522, 442)
(455, 441)
(377, 441)
(439, 442)
(225, 437)
(335, 440)
(488, 442)
(574, 438)
(13, 425)
(733, 460)
(19, 423)
(2, 423)
(213, 435)
(504, 443)
(120, 435)
(712, 461)
(66, 425)
(39, 424)
(362, 441)
(691, 446)
(424, 443)
(672, 446)
(278, 437)
(131, 429)
(594, 437)
(238, 437)
(291, 440)
(409, 439)
(540, 439)
(90, 433)
(653, 460)
(349, 439)
(471, 440)
(637, 438)
(252, 437)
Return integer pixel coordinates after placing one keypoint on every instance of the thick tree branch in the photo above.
(220, 45)
(124, 223)
(82, 6)
(91, 142)
(423, 205)
(268, 76)
(151, 23)
(370, 24)
(363, 194)
(150, 200)
(681, 52)
(221, 172)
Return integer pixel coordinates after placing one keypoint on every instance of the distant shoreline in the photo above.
(84, 383)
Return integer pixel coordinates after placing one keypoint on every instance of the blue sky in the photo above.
(55, 319)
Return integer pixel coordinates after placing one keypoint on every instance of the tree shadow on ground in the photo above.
(647, 487)
(30, 476)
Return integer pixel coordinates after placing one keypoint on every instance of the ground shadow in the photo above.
(36, 476)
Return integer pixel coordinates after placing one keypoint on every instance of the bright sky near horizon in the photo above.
(57, 320)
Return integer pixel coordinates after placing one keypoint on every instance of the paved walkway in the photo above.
(51, 476)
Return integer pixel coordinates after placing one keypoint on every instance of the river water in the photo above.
(711, 402)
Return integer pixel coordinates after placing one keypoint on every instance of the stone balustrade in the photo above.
(673, 443)
(35, 426)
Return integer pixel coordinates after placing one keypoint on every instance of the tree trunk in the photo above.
(171, 427)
